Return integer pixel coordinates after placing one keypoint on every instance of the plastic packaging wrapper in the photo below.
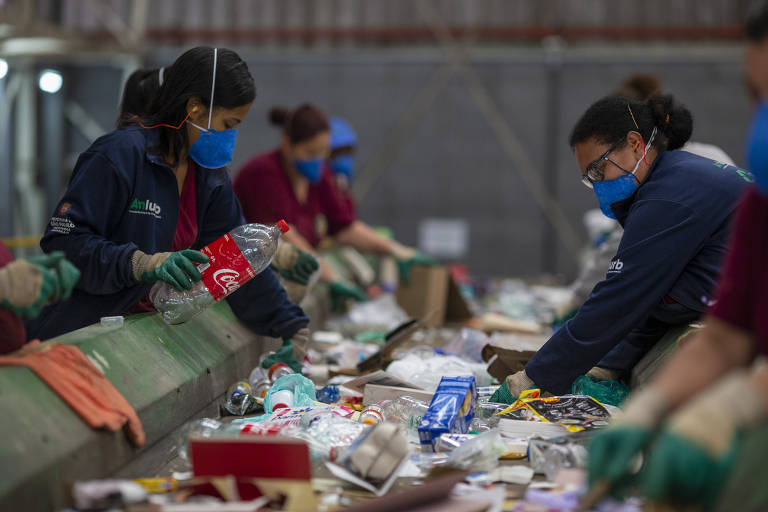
(327, 434)
(467, 344)
(574, 412)
(382, 314)
(327, 429)
(424, 370)
(446, 443)
(514, 299)
(203, 427)
(479, 454)
(302, 388)
(541, 500)
(549, 456)
(328, 394)
(407, 412)
(486, 416)
(107, 494)
(345, 354)
(611, 392)
(451, 410)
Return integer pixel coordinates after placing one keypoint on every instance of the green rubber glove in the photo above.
(613, 450)
(175, 268)
(682, 472)
(695, 453)
(67, 274)
(26, 287)
(342, 292)
(283, 355)
(611, 456)
(302, 269)
(513, 387)
(502, 395)
(419, 259)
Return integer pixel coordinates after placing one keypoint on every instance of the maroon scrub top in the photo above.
(742, 294)
(265, 192)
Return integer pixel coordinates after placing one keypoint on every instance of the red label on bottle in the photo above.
(227, 269)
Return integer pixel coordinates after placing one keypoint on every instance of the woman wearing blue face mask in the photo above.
(293, 182)
(675, 208)
(143, 198)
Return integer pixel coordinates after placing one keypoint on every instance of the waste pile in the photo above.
(382, 408)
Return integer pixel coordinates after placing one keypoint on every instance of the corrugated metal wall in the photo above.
(320, 21)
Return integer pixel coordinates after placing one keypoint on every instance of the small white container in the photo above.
(112, 321)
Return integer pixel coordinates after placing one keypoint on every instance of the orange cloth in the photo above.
(69, 373)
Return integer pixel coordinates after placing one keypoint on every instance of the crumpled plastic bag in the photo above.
(611, 392)
(426, 372)
(480, 454)
(303, 391)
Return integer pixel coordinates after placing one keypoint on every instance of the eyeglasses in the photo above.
(594, 173)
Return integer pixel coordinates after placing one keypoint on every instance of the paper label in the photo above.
(227, 269)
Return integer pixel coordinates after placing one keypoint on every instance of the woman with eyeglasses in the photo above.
(675, 208)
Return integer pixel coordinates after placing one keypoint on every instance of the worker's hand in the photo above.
(600, 373)
(613, 450)
(342, 292)
(300, 342)
(175, 268)
(26, 287)
(694, 454)
(512, 387)
(294, 264)
(283, 355)
(67, 274)
(408, 257)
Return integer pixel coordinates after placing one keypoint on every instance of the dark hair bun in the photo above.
(673, 120)
(300, 124)
(278, 116)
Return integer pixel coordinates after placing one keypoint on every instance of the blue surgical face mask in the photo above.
(757, 146)
(311, 169)
(608, 192)
(611, 191)
(213, 149)
(343, 164)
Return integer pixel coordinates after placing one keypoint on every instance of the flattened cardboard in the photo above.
(433, 296)
(394, 339)
(434, 492)
(378, 377)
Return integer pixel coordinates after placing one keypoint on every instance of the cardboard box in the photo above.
(433, 296)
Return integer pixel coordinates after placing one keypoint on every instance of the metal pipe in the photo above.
(52, 132)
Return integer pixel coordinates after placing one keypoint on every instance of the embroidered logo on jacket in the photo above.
(145, 207)
(616, 266)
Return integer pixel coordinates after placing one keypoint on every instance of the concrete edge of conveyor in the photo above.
(169, 374)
